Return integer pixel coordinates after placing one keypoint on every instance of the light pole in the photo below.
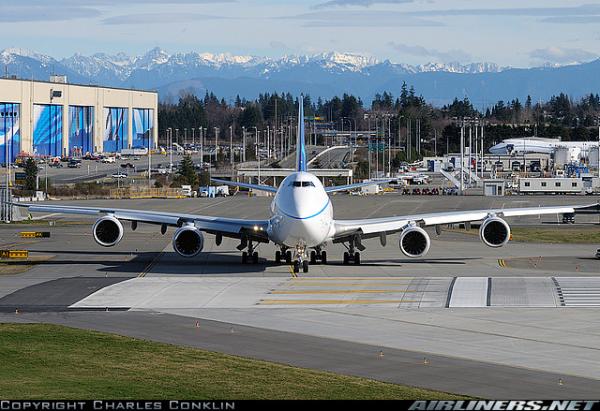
(243, 144)
(193, 139)
(257, 151)
(216, 145)
(202, 146)
(231, 146)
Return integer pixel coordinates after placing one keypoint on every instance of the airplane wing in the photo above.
(372, 227)
(332, 189)
(260, 187)
(230, 227)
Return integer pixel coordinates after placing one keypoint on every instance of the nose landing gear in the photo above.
(301, 261)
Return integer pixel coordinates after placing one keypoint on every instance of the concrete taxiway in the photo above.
(519, 321)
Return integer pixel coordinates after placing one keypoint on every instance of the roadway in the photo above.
(468, 319)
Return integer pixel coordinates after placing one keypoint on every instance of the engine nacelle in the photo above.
(108, 231)
(494, 232)
(188, 241)
(414, 242)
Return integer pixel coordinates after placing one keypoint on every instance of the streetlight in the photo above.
(231, 145)
(243, 159)
(216, 145)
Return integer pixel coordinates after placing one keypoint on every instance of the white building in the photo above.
(55, 118)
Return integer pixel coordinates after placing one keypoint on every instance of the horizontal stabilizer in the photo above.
(260, 187)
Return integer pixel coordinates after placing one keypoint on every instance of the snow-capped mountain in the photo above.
(122, 66)
(321, 75)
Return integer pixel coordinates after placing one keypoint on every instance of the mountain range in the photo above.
(322, 75)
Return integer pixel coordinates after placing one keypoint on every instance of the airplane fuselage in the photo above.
(302, 214)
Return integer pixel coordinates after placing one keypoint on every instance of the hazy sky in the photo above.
(508, 32)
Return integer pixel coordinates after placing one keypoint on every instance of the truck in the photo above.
(187, 191)
(371, 189)
(222, 191)
(109, 160)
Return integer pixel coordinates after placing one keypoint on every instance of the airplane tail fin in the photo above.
(300, 144)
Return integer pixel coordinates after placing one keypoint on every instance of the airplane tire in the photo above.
(278, 257)
(244, 257)
(255, 258)
(288, 257)
(313, 257)
(304, 266)
(357, 258)
(323, 257)
(346, 258)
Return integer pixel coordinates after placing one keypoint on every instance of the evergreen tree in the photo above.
(186, 172)
(31, 171)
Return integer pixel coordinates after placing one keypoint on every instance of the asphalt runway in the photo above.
(519, 321)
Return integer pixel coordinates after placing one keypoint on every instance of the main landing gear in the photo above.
(352, 256)
(318, 256)
(250, 256)
(284, 254)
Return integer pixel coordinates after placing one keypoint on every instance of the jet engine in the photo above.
(494, 232)
(188, 241)
(108, 231)
(414, 242)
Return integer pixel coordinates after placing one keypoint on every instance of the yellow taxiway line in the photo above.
(150, 265)
(341, 291)
(331, 302)
(350, 284)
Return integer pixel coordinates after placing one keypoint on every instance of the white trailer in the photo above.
(553, 185)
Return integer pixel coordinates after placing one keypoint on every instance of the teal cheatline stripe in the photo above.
(308, 217)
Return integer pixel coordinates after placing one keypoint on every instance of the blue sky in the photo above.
(507, 32)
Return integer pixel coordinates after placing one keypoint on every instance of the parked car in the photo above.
(74, 164)
(127, 165)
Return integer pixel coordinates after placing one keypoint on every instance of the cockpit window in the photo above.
(302, 184)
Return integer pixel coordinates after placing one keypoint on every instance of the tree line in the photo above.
(560, 116)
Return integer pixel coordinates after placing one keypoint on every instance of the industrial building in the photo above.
(55, 118)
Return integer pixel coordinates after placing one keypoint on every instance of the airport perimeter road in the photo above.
(515, 326)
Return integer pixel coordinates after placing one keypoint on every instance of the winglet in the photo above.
(300, 144)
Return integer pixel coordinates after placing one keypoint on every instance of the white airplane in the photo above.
(302, 220)
(520, 146)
